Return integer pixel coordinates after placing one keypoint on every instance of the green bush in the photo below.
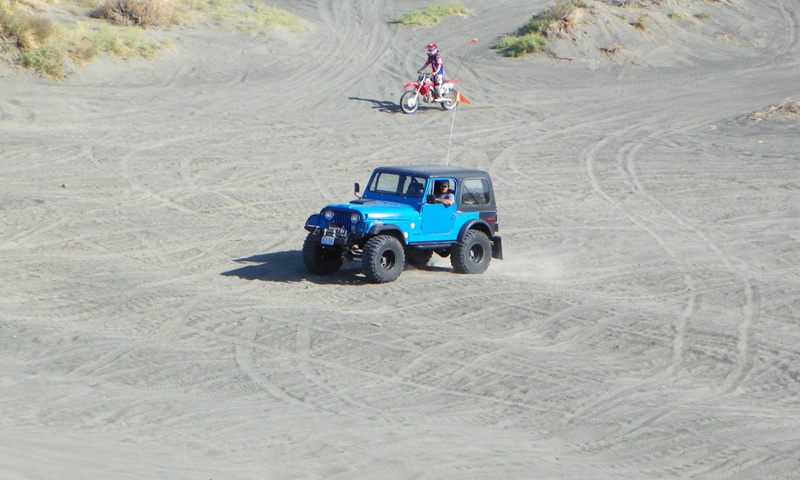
(675, 14)
(518, 45)
(551, 14)
(48, 62)
(531, 37)
(642, 22)
(431, 15)
(248, 17)
(116, 27)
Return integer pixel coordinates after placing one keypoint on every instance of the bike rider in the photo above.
(437, 68)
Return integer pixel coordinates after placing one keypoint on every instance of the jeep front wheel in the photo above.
(318, 259)
(472, 254)
(383, 259)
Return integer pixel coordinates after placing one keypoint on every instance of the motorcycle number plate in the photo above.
(328, 240)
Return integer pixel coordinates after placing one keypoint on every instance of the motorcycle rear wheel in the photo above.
(409, 102)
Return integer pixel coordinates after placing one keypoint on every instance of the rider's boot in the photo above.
(437, 93)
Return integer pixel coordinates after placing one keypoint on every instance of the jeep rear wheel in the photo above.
(472, 254)
(418, 258)
(318, 259)
(383, 259)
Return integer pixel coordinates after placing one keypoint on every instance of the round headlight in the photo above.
(328, 215)
(354, 217)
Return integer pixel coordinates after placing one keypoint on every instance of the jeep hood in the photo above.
(377, 209)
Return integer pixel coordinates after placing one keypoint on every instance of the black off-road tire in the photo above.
(318, 259)
(418, 258)
(472, 254)
(383, 259)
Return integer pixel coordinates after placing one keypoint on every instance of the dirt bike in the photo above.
(422, 91)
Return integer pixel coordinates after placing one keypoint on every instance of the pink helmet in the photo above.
(432, 49)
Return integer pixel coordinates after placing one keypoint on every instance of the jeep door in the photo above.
(438, 219)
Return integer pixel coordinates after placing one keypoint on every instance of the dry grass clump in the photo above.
(518, 45)
(32, 5)
(642, 22)
(25, 30)
(431, 15)
(138, 13)
(116, 27)
(634, 3)
(555, 18)
(787, 108)
(253, 17)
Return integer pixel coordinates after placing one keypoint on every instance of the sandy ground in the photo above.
(157, 322)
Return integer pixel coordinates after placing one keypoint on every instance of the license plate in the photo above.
(328, 240)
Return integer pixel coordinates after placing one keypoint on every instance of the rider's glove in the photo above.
(420, 70)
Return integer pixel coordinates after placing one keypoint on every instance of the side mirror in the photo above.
(430, 199)
(356, 189)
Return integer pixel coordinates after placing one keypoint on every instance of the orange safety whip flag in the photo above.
(462, 99)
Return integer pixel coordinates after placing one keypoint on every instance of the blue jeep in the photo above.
(398, 220)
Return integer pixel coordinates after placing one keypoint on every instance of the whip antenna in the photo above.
(458, 100)
(473, 42)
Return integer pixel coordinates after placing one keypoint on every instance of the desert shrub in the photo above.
(431, 15)
(246, 16)
(675, 14)
(49, 47)
(265, 15)
(641, 22)
(140, 13)
(531, 37)
(518, 45)
(550, 16)
(27, 31)
(83, 52)
(78, 43)
(125, 43)
(47, 61)
(445, 9)
(633, 3)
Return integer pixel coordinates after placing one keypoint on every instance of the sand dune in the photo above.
(157, 321)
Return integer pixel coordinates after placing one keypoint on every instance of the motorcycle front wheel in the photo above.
(409, 102)
(450, 102)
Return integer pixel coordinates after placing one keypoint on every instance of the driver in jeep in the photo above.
(443, 195)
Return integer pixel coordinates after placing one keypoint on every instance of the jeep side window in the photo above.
(475, 192)
(443, 192)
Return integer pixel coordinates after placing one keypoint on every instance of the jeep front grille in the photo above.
(341, 219)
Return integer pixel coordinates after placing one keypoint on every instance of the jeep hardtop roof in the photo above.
(434, 171)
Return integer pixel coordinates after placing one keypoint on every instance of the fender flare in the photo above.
(483, 226)
(476, 224)
(392, 230)
(312, 223)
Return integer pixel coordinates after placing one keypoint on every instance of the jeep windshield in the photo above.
(396, 184)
